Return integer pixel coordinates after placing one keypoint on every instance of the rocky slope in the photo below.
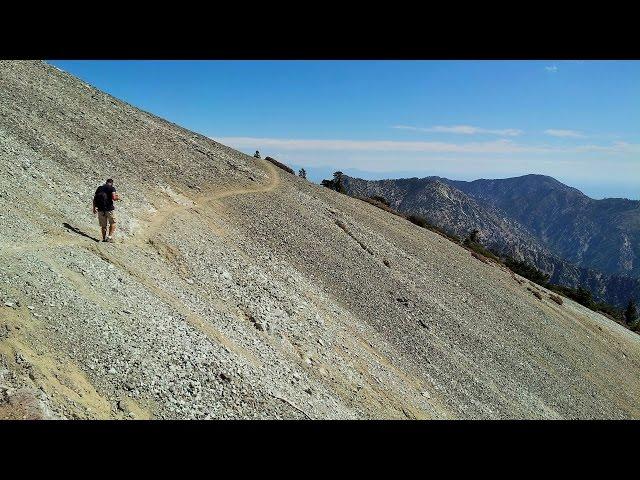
(237, 290)
(443, 204)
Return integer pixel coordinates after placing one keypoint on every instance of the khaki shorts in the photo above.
(103, 217)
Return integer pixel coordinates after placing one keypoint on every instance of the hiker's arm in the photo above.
(114, 196)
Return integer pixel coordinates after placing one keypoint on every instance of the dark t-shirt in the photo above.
(104, 198)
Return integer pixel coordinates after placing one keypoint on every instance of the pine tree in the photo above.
(584, 297)
(472, 238)
(631, 312)
(337, 182)
(302, 173)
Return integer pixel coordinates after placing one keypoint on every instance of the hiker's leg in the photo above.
(112, 223)
(102, 219)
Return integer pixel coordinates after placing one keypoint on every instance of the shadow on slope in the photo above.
(78, 231)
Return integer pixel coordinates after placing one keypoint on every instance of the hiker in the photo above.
(103, 206)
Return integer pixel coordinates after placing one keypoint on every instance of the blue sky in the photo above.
(578, 121)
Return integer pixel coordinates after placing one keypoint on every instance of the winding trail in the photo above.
(74, 383)
(159, 220)
(155, 224)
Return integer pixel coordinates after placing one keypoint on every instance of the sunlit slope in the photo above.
(240, 291)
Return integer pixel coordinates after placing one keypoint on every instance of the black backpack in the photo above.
(101, 199)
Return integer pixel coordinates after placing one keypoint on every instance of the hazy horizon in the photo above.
(317, 174)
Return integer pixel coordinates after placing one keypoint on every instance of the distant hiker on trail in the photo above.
(103, 206)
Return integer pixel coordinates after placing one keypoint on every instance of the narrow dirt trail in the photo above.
(161, 219)
(157, 222)
(78, 387)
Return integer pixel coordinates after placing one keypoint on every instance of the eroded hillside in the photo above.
(237, 290)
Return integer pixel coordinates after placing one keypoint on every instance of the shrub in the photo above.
(380, 199)
(556, 299)
(473, 244)
(631, 312)
(480, 249)
(383, 206)
(610, 310)
(257, 154)
(280, 165)
(418, 220)
(302, 173)
(479, 257)
(564, 291)
(584, 297)
(537, 294)
(527, 271)
(473, 236)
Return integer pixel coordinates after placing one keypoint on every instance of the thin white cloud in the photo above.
(551, 68)
(564, 133)
(498, 146)
(616, 147)
(463, 129)
(502, 146)
(589, 162)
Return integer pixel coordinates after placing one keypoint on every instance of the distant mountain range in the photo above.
(574, 238)
(236, 290)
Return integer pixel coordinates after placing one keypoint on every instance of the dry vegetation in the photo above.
(281, 165)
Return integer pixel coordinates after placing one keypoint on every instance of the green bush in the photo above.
(616, 313)
(527, 271)
(631, 313)
(585, 298)
(418, 220)
(482, 250)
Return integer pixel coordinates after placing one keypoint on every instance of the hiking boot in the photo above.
(110, 240)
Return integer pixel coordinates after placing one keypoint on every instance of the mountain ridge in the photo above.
(498, 229)
(281, 300)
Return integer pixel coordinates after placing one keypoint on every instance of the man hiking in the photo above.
(103, 206)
